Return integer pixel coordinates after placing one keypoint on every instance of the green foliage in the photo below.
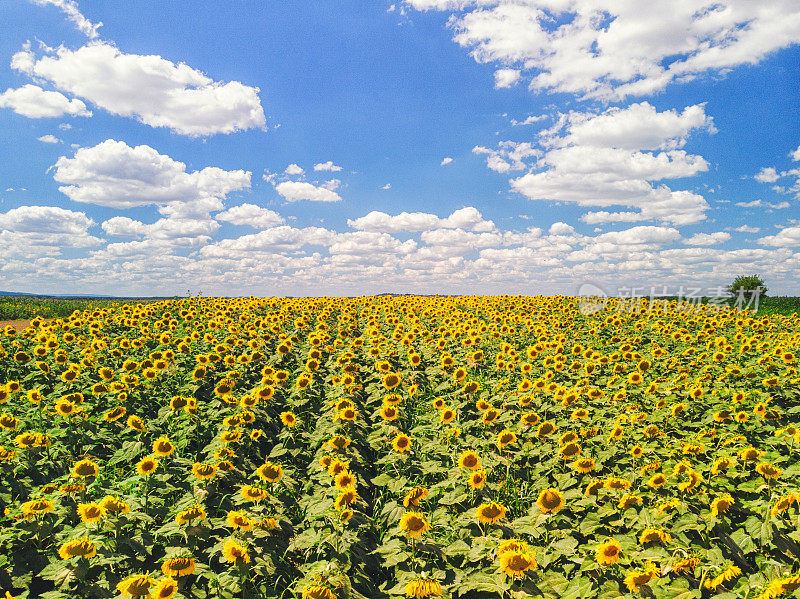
(747, 286)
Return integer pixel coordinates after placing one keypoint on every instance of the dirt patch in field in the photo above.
(17, 324)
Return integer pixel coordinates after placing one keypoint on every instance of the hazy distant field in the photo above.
(27, 307)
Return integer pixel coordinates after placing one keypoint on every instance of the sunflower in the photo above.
(339, 442)
(401, 443)
(235, 553)
(270, 472)
(616, 483)
(175, 567)
(347, 497)
(415, 496)
(515, 563)
(81, 547)
(678, 409)
(489, 513)
(345, 479)
(391, 380)
(8, 422)
(768, 471)
(163, 447)
(654, 535)
(255, 494)
(638, 578)
(389, 412)
(721, 504)
(35, 507)
(238, 520)
(204, 471)
(317, 592)
(584, 465)
(137, 585)
(414, 524)
(608, 553)
(337, 466)
(90, 512)
(164, 589)
(6, 454)
(471, 387)
(136, 423)
(288, 419)
(114, 505)
(65, 408)
(570, 450)
(657, 480)
(115, 414)
(550, 501)
(85, 469)
(482, 405)
(749, 454)
(196, 512)
(348, 414)
(687, 564)
(146, 466)
(477, 479)
(545, 428)
(782, 504)
(490, 415)
(505, 438)
(469, 459)
(393, 399)
(447, 416)
(266, 523)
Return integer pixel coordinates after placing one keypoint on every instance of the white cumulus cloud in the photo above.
(35, 103)
(70, 8)
(153, 90)
(506, 77)
(612, 49)
(327, 166)
(294, 169)
(612, 158)
(115, 175)
(468, 218)
(295, 191)
(251, 215)
(707, 238)
(788, 237)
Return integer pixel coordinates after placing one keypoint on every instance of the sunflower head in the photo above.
(469, 459)
(491, 512)
(401, 443)
(235, 553)
(477, 478)
(146, 466)
(414, 524)
(550, 501)
(82, 547)
(608, 553)
(178, 566)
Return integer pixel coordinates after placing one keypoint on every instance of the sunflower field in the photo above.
(378, 447)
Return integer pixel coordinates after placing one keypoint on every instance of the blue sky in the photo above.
(359, 147)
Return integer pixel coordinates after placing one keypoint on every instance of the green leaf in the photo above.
(578, 588)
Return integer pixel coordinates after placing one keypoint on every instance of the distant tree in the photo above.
(747, 286)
